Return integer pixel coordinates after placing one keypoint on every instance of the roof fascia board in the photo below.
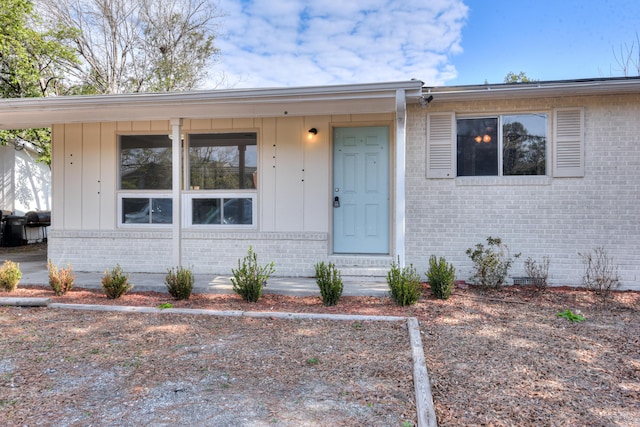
(191, 111)
(533, 90)
(360, 98)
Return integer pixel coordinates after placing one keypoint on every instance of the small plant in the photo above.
(538, 272)
(10, 275)
(165, 305)
(572, 317)
(60, 279)
(115, 283)
(404, 284)
(179, 282)
(491, 263)
(313, 361)
(249, 279)
(601, 274)
(441, 277)
(330, 283)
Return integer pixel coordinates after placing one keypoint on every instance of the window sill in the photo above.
(506, 181)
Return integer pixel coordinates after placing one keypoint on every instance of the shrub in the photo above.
(441, 277)
(538, 272)
(601, 274)
(404, 284)
(179, 282)
(572, 317)
(10, 275)
(61, 280)
(330, 283)
(491, 264)
(115, 283)
(250, 277)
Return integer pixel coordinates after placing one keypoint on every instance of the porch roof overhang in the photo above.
(542, 89)
(233, 103)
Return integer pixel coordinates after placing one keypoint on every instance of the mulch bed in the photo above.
(498, 358)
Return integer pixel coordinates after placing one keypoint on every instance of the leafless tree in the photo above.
(628, 58)
(139, 45)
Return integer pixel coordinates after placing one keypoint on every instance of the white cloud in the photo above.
(300, 43)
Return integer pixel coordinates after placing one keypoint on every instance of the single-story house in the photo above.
(25, 181)
(360, 175)
(25, 188)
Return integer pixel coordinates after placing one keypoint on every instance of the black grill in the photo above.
(38, 219)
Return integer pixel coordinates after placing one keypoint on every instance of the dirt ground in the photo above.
(497, 359)
(79, 368)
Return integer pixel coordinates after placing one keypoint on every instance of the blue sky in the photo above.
(276, 43)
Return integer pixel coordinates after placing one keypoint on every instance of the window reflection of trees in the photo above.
(145, 162)
(219, 163)
(523, 153)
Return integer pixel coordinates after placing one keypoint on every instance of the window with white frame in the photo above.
(503, 145)
(229, 209)
(145, 180)
(506, 145)
(222, 179)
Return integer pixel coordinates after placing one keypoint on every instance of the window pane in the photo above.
(139, 210)
(205, 211)
(524, 140)
(145, 162)
(135, 211)
(477, 147)
(162, 211)
(237, 211)
(222, 161)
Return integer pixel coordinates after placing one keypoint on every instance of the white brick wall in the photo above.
(294, 254)
(537, 216)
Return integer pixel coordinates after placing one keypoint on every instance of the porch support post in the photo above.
(399, 208)
(176, 187)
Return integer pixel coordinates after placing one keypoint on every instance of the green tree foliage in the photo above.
(518, 78)
(40, 140)
(33, 63)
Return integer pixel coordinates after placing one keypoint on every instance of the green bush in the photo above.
(179, 282)
(249, 279)
(330, 283)
(10, 275)
(115, 283)
(491, 264)
(404, 284)
(441, 277)
(61, 280)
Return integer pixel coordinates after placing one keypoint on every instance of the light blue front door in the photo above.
(361, 190)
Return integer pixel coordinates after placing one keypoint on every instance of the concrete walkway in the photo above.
(295, 286)
(33, 265)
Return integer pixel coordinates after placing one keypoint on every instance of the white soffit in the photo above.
(235, 103)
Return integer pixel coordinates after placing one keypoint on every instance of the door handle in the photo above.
(336, 202)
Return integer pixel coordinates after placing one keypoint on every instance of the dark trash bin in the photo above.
(13, 230)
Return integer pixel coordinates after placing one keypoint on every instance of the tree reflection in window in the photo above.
(145, 162)
(524, 139)
(222, 161)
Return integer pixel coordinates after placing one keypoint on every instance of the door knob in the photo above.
(336, 202)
